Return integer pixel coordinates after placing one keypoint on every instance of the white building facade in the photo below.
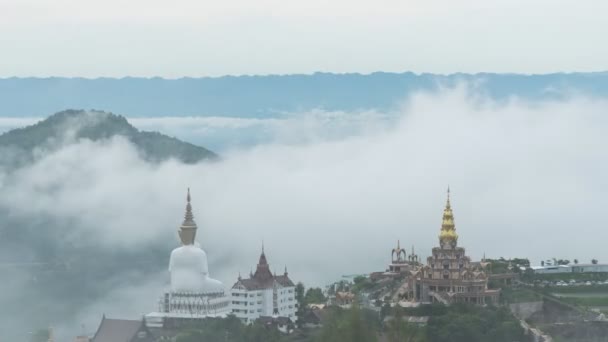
(570, 268)
(264, 295)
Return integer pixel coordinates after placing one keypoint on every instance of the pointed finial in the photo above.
(239, 275)
(262, 246)
(189, 217)
(448, 202)
(285, 269)
(398, 244)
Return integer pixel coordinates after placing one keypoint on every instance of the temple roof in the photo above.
(114, 330)
(263, 277)
(261, 284)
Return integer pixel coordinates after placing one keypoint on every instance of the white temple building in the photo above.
(193, 294)
(264, 295)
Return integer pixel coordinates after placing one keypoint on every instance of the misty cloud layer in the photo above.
(527, 180)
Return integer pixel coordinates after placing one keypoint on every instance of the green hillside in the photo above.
(19, 146)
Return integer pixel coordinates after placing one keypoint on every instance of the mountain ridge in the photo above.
(259, 96)
(67, 126)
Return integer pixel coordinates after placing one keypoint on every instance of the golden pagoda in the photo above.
(449, 274)
(447, 235)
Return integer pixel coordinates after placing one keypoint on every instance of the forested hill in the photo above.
(55, 270)
(264, 96)
(19, 146)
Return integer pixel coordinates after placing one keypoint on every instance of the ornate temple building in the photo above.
(400, 261)
(193, 294)
(264, 294)
(449, 275)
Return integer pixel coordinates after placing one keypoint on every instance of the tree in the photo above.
(300, 301)
(314, 296)
(398, 330)
(228, 329)
(521, 262)
(594, 261)
(576, 261)
(361, 283)
(351, 325)
(469, 323)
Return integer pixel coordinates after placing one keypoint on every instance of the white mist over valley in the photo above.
(329, 193)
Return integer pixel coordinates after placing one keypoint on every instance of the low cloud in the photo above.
(527, 179)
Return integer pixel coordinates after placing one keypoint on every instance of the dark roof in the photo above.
(251, 284)
(284, 280)
(312, 316)
(263, 278)
(254, 283)
(117, 330)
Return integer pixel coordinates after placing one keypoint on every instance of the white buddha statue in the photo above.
(188, 263)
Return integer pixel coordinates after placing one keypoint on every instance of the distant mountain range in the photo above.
(268, 96)
(17, 147)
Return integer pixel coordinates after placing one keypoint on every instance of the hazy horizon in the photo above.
(315, 72)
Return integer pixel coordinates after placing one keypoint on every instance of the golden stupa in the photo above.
(448, 228)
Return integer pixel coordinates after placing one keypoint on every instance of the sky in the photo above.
(113, 38)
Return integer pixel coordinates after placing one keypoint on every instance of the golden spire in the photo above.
(448, 216)
(448, 228)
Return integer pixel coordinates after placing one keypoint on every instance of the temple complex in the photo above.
(449, 275)
(193, 294)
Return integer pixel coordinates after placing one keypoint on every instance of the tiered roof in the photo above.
(263, 277)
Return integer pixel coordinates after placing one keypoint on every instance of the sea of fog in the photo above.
(330, 193)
